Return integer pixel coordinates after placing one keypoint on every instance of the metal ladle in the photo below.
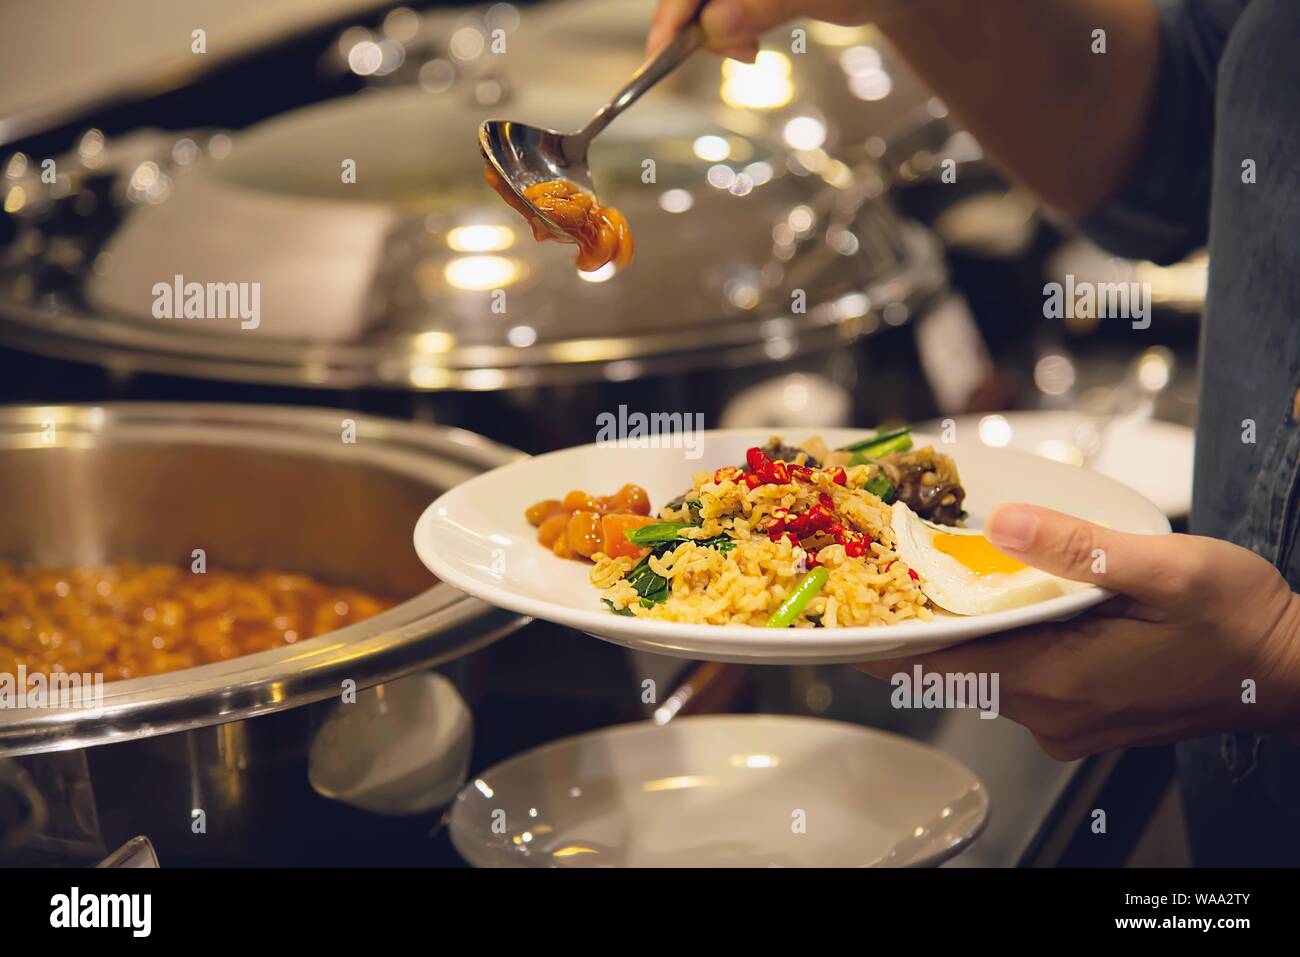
(523, 155)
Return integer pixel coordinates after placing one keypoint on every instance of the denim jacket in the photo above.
(1220, 167)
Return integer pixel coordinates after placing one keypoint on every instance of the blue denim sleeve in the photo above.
(1162, 212)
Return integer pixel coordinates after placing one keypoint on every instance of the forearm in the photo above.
(1022, 76)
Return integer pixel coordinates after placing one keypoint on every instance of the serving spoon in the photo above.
(523, 155)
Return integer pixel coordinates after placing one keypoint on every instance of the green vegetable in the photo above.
(624, 612)
(803, 593)
(877, 438)
(722, 543)
(660, 533)
(652, 588)
(883, 443)
(880, 486)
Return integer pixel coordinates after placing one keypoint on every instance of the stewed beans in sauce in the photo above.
(126, 620)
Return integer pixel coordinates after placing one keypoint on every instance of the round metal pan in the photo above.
(255, 487)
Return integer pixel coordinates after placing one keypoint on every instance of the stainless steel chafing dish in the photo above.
(255, 487)
(758, 241)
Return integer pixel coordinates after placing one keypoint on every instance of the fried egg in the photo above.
(961, 571)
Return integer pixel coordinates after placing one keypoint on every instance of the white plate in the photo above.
(722, 791)
(475, 538)
(1150, 456)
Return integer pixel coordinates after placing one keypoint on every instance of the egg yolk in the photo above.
(977, 554)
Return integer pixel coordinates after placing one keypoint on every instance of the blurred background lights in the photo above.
(801, 219)
(483, 380)
(676, 201)
(436, 76)
(835, 35)
(1154, 368)
(759, 173)
(185, 151)
(764, 84)
(871, 86)
(1054, 375)
(714, 149)
(804, 133)
(858, 60)
(720, 176)
(777, 349)
(429, 377)
(481, 272)
(402, 24)
(220, 145)
(467, 43)
(365, 58)
(480, 239)
(502, 16)
(434, 342)
(742, 185)
(521, 337)
(90, 149)
(995, 431)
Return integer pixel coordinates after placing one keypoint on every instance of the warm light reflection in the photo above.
(1155, 368)
(714, 149)
(995, 431)
(871, 86)
(804, 133)
(424, 376)
(676, 201)
(603, 274)
(1059, 450)
(833, 34)
(858, 60)
(481, 272)
(573, 851)
(521, 337)
(680, 783)
(764, 84)
(480, 239)
(432, 342)
(755, 760)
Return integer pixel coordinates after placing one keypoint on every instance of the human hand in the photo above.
(732, 27)
(1164, 660)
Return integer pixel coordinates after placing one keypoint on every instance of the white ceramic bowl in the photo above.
(475, 538)
(722, 791)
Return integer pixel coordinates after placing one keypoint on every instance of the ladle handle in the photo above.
(686, 41)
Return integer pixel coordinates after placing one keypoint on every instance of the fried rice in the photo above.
(746, 584)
